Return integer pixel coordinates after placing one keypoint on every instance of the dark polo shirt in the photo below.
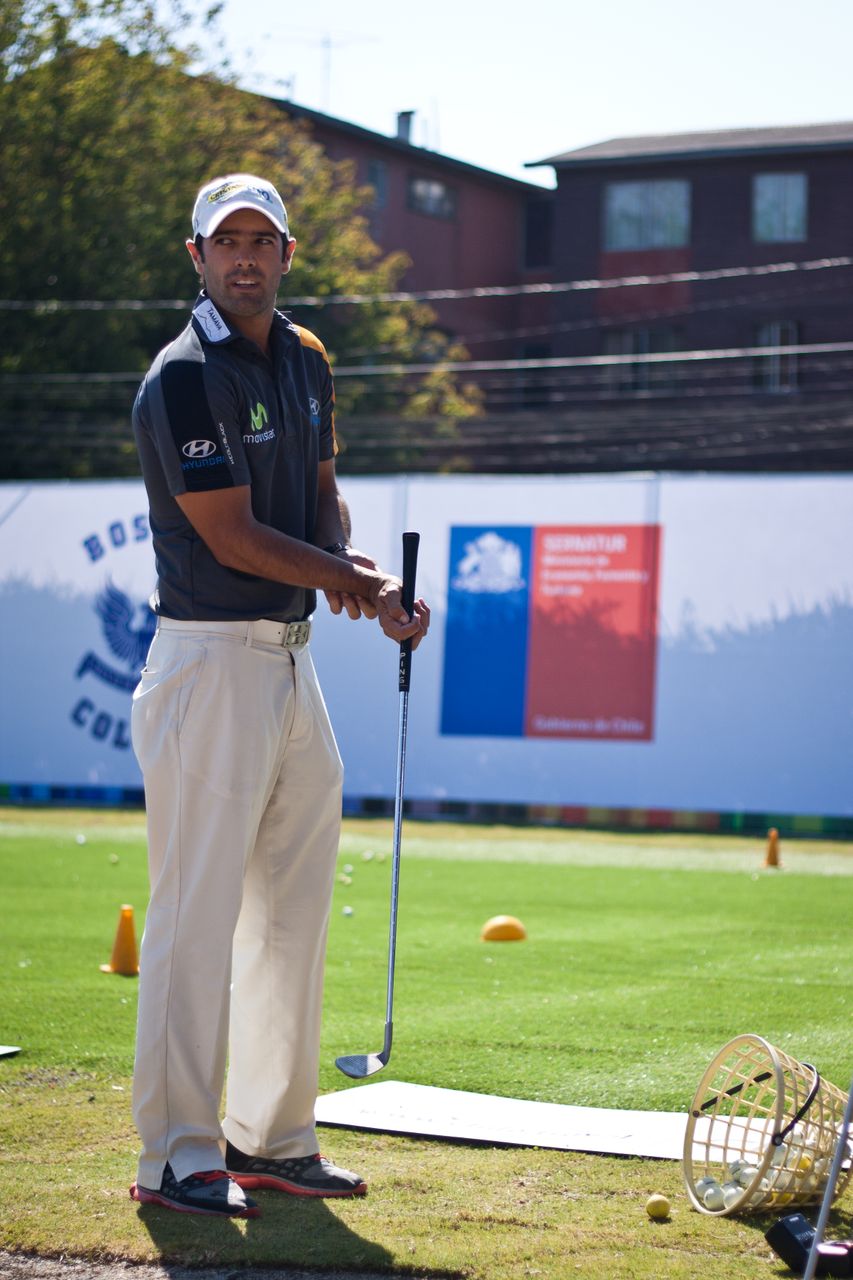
(213, 412)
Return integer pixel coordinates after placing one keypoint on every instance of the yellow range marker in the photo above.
(503, 929)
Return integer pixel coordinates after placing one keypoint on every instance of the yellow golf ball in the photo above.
(657, 1207)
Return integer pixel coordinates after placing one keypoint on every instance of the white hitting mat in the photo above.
(424, 1111)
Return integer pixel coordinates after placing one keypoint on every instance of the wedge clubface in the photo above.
(361, 1065)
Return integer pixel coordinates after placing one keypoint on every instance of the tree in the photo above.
(105, 137)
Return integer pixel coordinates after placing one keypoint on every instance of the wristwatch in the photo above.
(336, 547)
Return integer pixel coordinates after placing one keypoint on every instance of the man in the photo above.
(235, 428)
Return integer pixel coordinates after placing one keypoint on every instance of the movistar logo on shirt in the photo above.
(259, 416)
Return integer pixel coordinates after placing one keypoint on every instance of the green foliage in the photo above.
(106, 137)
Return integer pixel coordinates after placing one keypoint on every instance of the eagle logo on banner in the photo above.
(129, 643)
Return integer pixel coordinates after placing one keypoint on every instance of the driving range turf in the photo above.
(645, 954)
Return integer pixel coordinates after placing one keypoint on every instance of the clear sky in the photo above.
(498, 84)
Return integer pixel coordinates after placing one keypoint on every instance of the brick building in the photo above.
(664, 206)
(704, 202)
(463, 227)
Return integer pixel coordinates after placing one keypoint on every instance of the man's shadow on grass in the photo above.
(295, 1231)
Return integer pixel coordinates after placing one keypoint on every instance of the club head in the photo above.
(360, 1065)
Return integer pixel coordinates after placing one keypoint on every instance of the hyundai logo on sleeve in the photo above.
(198, 449)
(199, 453)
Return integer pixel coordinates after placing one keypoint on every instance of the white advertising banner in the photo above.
(76, 571)
(655, 642)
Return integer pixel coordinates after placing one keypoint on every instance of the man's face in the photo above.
(243, 263)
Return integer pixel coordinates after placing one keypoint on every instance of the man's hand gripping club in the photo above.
(383, 600)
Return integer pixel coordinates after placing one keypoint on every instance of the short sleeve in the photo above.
(324, 415)
(328, 442)
(191, 415)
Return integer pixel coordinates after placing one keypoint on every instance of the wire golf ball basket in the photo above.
(762, 1132)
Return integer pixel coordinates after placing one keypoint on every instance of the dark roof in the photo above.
(423, 154)
(715, 142)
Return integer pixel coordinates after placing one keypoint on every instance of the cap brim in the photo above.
(232, 206)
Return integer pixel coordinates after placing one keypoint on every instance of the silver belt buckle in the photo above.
(296, 635)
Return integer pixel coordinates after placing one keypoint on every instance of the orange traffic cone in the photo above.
(124, 959)
(771, 858)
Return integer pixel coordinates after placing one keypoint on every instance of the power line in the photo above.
(571, 286)
(49, 306)
(581, 362)
(461, 366)
(490, 366)
(644, 317)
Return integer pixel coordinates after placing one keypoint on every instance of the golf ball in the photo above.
(657, 1207)
(732, 1192)
(714, 1198)
(347, 911)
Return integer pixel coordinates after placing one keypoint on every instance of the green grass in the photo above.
(645, 953)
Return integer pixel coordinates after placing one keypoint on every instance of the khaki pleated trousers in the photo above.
(243, 797)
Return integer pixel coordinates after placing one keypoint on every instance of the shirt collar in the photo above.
(212, 326)
(209, 322)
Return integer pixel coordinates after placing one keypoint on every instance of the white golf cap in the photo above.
(237, 191)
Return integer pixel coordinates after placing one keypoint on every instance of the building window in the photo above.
(777, 373)
(637, 375)
(779, 207)
(377, 177)
(646, 215)
(428, 195)
(538, 225)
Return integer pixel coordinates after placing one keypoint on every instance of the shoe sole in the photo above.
(266, 1182)
(142, 1195)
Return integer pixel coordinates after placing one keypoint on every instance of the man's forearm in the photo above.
(333, 522)
(267, 553)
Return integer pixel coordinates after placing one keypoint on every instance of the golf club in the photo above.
(841, 1154)
(361, 1065)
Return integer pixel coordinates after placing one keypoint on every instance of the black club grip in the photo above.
(411, 542)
